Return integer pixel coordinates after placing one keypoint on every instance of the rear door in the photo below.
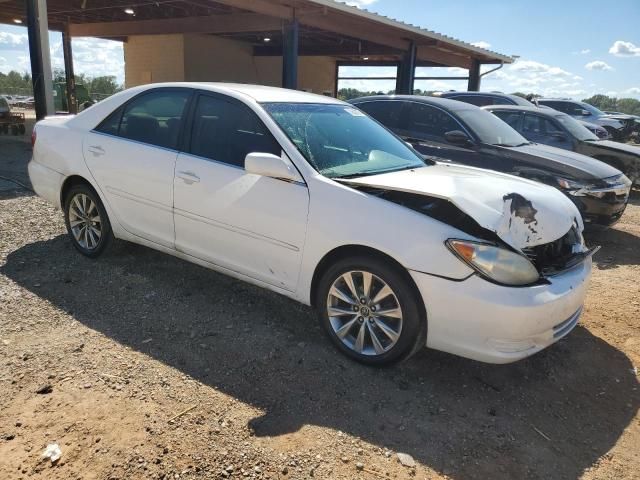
(132, 156)
(540, 129)
(246, 223)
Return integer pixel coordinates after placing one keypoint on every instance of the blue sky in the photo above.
(571, 48)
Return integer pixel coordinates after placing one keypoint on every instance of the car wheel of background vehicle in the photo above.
(86, 220)
(371, 311)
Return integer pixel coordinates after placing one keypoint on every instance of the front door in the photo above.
(246, 223)
(132, 156)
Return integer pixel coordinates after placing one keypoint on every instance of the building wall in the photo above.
(207, 58)
(154, 58)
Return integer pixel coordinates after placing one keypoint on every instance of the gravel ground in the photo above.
(157, 368)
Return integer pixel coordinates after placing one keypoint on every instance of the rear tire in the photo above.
(87, 222)
(371, 311)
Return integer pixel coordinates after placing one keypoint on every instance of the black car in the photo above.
(557, 129)
(452, 131)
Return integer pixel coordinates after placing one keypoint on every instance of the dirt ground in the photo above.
(129, 342)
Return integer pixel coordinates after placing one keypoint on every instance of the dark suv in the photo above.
(619, 126)
(451, 131)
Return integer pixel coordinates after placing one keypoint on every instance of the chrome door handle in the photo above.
(188, 177)
(96, 150)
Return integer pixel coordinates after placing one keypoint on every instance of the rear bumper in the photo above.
(46, 182)
(496, 324)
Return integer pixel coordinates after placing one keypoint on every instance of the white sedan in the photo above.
(307, 196)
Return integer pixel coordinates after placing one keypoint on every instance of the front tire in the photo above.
(371, 311)
(87, 221)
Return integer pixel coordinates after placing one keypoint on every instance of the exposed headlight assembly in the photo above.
(495, 263)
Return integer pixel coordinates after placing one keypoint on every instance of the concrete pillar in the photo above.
(42, 78)
(290, 55)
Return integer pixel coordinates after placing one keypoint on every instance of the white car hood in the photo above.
(522, 213)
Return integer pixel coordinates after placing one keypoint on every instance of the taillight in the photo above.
(33, 138)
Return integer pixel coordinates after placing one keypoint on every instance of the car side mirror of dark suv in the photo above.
(585, 113)
(458, 137)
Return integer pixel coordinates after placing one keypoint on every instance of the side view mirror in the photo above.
(269, 165)
(585, 113)
(458, 137)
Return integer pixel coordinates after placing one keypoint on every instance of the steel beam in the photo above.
(72, 103)
(290, 55)
(474, 76)
(41, 75)
(407, 72)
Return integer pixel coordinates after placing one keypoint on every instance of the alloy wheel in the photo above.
(364, 313)
(85, 221)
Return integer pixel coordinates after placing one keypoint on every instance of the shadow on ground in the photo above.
(551, 416)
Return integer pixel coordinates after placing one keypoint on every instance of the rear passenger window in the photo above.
(386, 112)
(511, 118)
(427, 121)
(226, 132)
(153, 118)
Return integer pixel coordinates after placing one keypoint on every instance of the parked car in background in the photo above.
(551, 127)
(307, 196)
(620, 127)
(597, 130)
(5, 108)
(481, 99)
(457, 132)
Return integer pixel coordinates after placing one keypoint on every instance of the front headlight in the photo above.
(497, 264)
(573, 187)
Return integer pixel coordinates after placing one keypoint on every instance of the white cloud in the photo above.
(624, 49)
(12, 41)
(530, 66)
(481, 44)
(360, 3)
(598, 65)
(584, 51)
(633, 91)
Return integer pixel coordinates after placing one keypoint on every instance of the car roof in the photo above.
(559, 100)
(259, 93)
(436, 101)
(550, 112)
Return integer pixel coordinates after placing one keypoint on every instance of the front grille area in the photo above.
(559, 255)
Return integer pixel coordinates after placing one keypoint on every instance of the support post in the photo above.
(290, 55)
(407, 72)
(70, 79)
(41, 76)
(474, 76)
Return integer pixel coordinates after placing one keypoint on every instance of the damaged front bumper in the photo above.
(483, 321)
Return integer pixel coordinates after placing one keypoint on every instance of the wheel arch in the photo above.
(70, 182)
(346, 251)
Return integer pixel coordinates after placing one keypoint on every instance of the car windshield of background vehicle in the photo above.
(490, 129)
(341, 141)
(576, 129)
(592, 109)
